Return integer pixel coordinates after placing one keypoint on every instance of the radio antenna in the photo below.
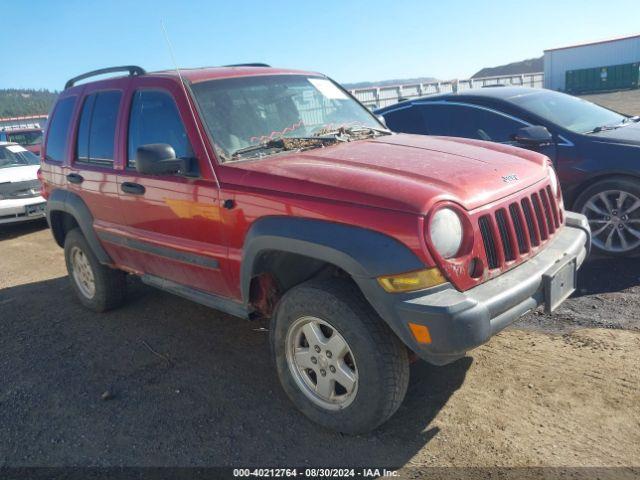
(188, 99)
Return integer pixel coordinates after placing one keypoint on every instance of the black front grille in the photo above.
(528, 216)
(514, 210)
(509, 233)
(504, 235)
(537, 208)
(489, 244)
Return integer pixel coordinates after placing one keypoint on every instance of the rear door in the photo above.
(173, 225)
(92, 173)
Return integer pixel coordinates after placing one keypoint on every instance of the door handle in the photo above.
(75, 178)
(134, 188)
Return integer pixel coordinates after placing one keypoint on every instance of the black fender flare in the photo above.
(362, 253)
(71, 203)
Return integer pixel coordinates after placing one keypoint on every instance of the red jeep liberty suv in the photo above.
(269, 193)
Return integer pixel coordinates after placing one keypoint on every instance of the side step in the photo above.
(214, 301)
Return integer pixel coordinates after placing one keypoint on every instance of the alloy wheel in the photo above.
(614, 218)
(321, 363)
(82, 272)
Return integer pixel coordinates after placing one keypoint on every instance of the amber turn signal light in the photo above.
(420, 333)
(410, 281)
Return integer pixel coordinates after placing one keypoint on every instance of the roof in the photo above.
(193, 75)
(196, 75)
(503, 93)
(610, 40)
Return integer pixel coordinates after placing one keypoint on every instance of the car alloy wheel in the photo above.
(321, 363)
(614, 218)
(82, 272)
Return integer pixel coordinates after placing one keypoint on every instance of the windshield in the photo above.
(249, 111)
(25, 138)
(569, 112)
(16, 156)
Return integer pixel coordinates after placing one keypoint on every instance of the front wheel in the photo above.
(338, 362)
(612, 207)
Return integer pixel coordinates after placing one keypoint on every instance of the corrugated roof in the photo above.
(593, 43)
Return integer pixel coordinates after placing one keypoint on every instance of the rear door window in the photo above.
(97, 128)
(469, 122)
(58, 128)
(155, 118)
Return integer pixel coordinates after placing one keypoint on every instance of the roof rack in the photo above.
(22, 126)
(248, 65)
(132, 69)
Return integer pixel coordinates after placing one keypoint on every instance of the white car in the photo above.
(20, 197)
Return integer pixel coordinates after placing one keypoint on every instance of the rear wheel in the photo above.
(612, 207)
(98, 287)
(340, 364)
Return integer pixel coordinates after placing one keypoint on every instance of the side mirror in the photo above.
(160, 159)
(536, 136)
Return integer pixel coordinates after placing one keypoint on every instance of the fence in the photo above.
(31, 121)
(377, 97)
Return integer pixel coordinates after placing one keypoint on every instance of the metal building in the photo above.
(606, 53)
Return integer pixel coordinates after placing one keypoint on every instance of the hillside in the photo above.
(531, 65)
(383, 83)
(15, 103)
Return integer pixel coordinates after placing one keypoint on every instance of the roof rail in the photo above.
(132, 69)
(248, 65)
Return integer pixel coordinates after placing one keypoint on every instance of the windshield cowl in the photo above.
(320, 139)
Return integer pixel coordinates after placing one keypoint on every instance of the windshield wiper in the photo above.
(625, 121)
(287, 143)
(268, 145)
(603, 128)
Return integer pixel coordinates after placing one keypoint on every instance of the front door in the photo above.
(173, 223)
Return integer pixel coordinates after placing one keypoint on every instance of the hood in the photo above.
(35, 149)
(629, 134)
(401, 172)
(19, 174)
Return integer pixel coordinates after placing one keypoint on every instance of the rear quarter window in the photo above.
(58, 128)
(97, 128)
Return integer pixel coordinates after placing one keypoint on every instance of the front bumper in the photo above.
(22, 209)
(459, 321)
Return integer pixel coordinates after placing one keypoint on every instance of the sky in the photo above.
(48, 41)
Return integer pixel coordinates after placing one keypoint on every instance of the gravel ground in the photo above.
(165, 382)
(627, 101)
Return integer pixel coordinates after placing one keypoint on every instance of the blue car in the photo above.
(596, 151)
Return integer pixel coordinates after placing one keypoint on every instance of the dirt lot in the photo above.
(624, 102)
(193, 387)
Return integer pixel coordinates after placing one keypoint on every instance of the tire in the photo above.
(612, 207)
(376, 358)
(99, 288)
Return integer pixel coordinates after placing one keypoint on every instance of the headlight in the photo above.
(553, 179)
(445, 231)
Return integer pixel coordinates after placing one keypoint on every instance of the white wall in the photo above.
(557, 62)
